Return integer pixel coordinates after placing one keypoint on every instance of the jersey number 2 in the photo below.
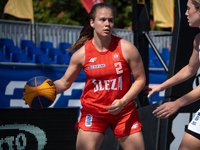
(118, 66)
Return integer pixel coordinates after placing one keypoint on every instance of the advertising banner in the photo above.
(14, 77)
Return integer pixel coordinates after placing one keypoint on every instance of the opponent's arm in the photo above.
(184, 74)
(170, 108)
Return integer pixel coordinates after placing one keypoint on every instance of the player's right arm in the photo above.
(73, 70)
(185, 73)
(169, 108)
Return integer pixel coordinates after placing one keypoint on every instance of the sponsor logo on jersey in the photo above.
(197, 117)
(88, 120)
(93, 59)
(134, 126)
(113, 84)
(96, 66)
(194, 123)
(116, 56)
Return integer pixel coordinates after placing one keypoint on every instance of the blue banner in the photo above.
(14, 77)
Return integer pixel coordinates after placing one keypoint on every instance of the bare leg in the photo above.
(189, 142)
(87, 140)
(132, 142)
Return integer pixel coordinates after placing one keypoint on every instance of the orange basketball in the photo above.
(39, 92)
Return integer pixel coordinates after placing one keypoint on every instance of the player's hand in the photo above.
(24, 100)
(116, 107)
(165, 110)
(152, 89)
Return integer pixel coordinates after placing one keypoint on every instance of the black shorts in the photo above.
(193, 133)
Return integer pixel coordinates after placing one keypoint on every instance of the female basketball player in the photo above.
(191, 139)
(108, 96)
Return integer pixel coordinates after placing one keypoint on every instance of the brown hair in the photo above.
(87, 30)
(196, 3)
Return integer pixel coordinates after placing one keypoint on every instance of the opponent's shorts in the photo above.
(194, 126)
(122, 125)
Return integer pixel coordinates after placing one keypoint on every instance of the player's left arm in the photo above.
(133, 58)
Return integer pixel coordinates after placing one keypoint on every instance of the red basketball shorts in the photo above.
(123, 124)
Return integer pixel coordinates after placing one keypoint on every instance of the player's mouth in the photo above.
(107, 30)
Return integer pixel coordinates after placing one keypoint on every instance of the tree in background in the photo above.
(59, 12)
(68, 12)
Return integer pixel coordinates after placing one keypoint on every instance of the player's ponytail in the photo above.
(86, 34)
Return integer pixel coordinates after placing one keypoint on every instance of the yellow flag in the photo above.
(163, 13)
(20, 9)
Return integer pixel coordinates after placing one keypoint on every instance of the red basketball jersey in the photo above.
(108, 77)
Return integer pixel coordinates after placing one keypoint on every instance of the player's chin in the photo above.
(192, 24)
(106, 34)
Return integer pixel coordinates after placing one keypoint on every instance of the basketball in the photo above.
(39, 92)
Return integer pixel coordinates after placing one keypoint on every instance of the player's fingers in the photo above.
(114, 105)
(111, 111)
(166, 116)
(114, 112)
(150, 93)
(110, 107)
(161, 115)
(158, 110)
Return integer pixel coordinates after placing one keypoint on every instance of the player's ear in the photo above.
(92, 23)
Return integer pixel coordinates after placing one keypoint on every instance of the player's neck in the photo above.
(101, 44)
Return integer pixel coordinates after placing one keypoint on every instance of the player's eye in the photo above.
(110, 20)
(102, 19)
